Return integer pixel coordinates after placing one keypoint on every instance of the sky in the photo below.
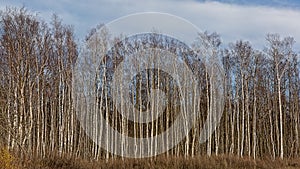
(232, 19)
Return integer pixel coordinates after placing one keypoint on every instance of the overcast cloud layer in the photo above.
(234, 20)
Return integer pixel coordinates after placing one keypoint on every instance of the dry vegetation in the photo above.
(10, 160)
(203, 162)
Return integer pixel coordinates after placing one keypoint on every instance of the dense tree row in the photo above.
(38, 113)
(36, 69)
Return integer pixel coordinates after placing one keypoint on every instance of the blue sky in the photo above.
(233, 19)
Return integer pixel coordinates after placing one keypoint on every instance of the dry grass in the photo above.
(6, 159)
(214, 162)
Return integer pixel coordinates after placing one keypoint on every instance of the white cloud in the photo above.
(241, 22)
(233, 22)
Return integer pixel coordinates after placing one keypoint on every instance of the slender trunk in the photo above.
(243, 117)
(208, 151)
(254, 123)
(248, 120)
(280, 117)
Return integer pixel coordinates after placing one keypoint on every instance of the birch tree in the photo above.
(280, 51)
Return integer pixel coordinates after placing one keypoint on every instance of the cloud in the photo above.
(251, 23)
(232, 21)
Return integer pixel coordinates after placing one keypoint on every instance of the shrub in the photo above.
(6, 159)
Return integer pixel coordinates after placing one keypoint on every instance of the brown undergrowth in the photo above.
(213, 162)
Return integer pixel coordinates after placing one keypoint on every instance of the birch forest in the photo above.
(38, 115)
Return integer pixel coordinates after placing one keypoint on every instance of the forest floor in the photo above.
(204, 162)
